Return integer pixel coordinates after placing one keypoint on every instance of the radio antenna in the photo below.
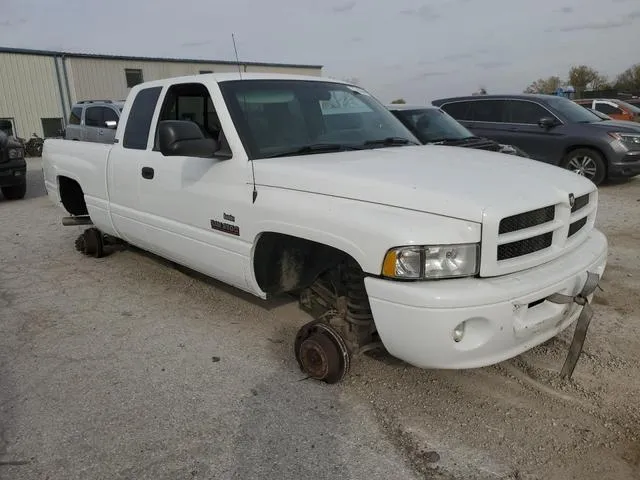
(253, 172)
(235, 49)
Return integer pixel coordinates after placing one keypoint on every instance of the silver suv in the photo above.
(94, 121)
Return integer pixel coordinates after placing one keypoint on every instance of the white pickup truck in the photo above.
(447, 257)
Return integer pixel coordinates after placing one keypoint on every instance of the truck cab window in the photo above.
(136, 133)
(191, 101)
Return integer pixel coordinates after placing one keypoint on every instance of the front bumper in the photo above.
(13, 172)
(626, 165)
(504, 315)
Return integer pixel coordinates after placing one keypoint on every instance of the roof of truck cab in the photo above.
(231, 76)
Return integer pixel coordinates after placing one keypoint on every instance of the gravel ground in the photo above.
(126, 368)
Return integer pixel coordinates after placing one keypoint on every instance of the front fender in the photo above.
(363, 230)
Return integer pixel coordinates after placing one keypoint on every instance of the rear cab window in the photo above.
(136, 133)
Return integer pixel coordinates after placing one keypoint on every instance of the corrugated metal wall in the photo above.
(28, 91)
(105, 78)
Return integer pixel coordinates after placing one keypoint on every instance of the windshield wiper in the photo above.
(389, 141)
(315, 148)
(449, 139)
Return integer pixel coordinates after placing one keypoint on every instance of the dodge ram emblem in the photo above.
(572, 200)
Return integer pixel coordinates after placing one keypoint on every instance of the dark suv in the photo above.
(13, 168)
(553, 130)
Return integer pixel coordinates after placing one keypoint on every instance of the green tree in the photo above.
(629, 80)
(398, 100)
(583, 77)
(544, 85)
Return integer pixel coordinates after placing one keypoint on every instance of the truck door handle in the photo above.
(147, 172)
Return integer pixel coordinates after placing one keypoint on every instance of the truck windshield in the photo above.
(571, 111)
(298, 117)
(432, 125)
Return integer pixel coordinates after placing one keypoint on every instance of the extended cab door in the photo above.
(126, 158)
(195, 208)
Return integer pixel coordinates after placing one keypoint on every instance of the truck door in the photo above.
(195, 207)
(123, 170)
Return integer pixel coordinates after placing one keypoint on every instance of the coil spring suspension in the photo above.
(358, 308)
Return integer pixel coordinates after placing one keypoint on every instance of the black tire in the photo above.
(15, 192)
(587, 163)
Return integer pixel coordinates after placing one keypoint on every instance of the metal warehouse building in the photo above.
(37, 88)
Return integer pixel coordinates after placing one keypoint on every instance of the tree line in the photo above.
(584, 78)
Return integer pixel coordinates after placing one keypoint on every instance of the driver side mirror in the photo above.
(547, 122)
(184, 138)
(111, 124)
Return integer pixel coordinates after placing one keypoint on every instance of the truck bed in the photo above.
(84, 162)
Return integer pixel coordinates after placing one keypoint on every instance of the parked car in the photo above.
(432, 125)
(13, 168)
(444, 256)
(604, 116)
(616, 109)
(93, 121)
(552, 129)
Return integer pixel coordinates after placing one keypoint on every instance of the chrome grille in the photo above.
(527, 219)
(525, 247)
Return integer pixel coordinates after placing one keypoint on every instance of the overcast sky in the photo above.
(415, 49)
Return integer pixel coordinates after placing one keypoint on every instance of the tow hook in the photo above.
(580, 333)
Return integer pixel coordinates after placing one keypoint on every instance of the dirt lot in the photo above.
(126, 368)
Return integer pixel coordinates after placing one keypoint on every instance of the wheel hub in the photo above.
(321, 352)
(583, 166)
(313, 355)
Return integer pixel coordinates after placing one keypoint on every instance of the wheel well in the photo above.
(72, 196)
(284, 263)
(570, 149)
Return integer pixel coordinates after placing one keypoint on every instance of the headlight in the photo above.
(431, 262)
(15, 153)
(626, 137)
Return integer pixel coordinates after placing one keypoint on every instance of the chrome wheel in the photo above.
(583, 165)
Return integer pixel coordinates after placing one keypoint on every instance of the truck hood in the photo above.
(451, 181)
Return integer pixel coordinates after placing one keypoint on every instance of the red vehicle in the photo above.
(616, 109)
